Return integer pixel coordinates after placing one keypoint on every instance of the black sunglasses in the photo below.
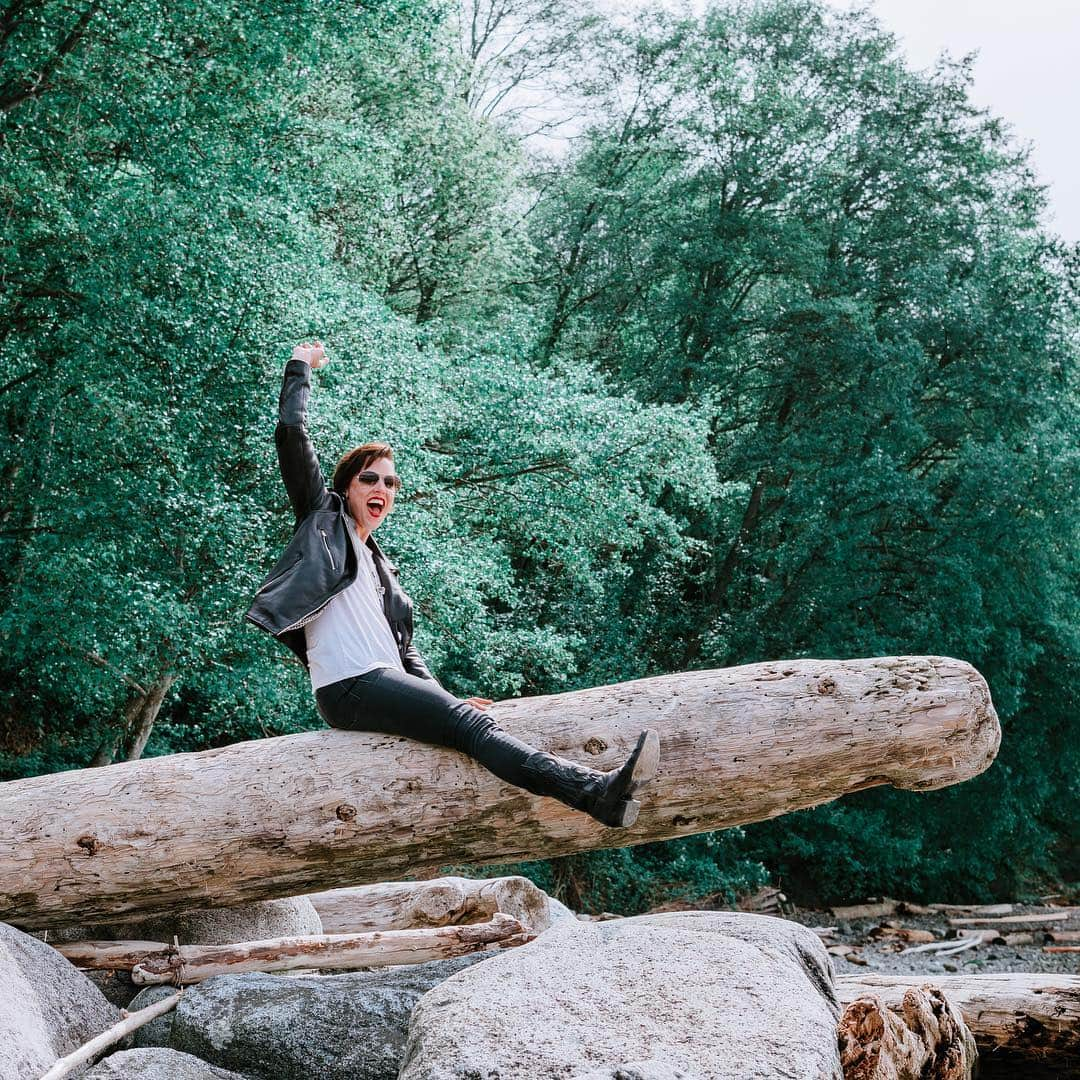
(370, 479)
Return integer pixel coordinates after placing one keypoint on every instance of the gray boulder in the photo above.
(334, 1027)
(639, 1070)
(702, 995)
(157, 1032)
(48, 1008)
(157, 1064)
(557, 911)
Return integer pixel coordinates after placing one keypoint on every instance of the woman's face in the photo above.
(369, 503)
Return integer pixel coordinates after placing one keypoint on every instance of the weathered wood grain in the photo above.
(923, 1037)
(1025, 1022)
(444, 901)
(185, 964)
(302, 813)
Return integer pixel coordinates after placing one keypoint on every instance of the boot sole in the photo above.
(647, 761)
(626, 813)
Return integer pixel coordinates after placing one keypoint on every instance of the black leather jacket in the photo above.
(319, 561)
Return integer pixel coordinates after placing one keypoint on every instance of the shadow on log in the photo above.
(302, 813)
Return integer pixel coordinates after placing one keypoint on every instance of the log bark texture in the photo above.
(300, 813)
(1024, 1024)
(445, 901)
(923, 1038)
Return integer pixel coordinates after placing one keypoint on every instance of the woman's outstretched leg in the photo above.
(396, 703)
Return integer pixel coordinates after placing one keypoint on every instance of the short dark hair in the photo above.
(357, 460)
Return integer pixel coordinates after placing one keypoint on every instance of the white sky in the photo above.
(1027, 72)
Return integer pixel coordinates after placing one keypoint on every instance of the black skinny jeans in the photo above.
(395, 703)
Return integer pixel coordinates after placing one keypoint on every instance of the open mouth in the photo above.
(376, 505)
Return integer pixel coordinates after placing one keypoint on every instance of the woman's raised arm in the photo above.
(296, 455)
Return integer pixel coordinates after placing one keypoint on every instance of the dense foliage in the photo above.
(777, 361)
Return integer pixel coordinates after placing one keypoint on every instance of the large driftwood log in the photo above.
(1022, 1022)
(445, 901)
(300, 813)
(922, 1038)
(153, 962)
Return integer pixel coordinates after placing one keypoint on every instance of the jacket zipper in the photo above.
(333, 565)
(305, 619)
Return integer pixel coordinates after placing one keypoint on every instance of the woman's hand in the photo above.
(479, 702)
(313, 353)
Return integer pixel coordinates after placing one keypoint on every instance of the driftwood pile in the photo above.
(366, 927)
(914, 1025)
(947, 930)
(283, 817)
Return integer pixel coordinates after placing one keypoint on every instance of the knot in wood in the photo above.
(346, 812)
(595, 746)
(826, 686)
(90, 844)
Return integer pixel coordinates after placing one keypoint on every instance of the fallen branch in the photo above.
(902, 933)
(1020, 920)
(112, 955)
(185, 964)
(973, 909)
(1021, 937)
(132, 1022)
(944, 948)
(877, 910)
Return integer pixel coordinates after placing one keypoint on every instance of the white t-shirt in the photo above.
(351, 634)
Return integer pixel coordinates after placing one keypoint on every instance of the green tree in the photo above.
(841, 262)
(186, 196)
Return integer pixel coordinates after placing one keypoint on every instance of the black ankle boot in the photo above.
(605, 796)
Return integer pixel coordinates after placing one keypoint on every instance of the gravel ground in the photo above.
(873, 943)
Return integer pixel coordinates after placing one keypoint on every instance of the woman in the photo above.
(334, 599)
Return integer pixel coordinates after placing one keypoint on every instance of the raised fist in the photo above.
(312, 352)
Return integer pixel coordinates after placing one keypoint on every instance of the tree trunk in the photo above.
(1024, 1024)
(106, 752)
(139, 733)
(922, 1038)
(152, 962)
(447, 901)
(299, 813)
(139, 717)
